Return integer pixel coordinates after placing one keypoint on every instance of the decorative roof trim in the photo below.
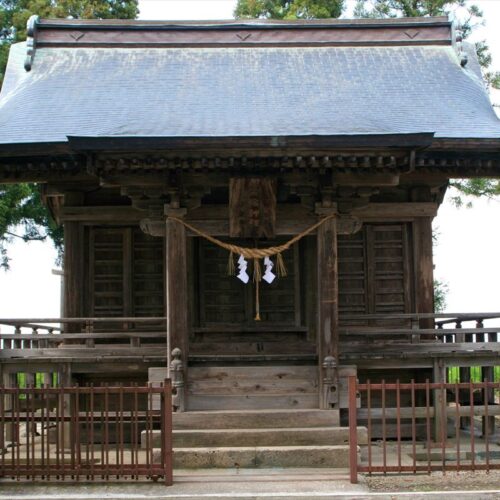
(31, 29)
(117, 33)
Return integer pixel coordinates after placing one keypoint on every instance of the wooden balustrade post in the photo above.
(178, 382)
(439, 402)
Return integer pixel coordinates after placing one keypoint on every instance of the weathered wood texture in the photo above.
(125, 273)
(375, 271)
(177, 289)
(252, 207)
(73, 301)
(327, 271)
(247, 387)
(225, 300)
(424, 283)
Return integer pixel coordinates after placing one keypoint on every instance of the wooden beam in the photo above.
(395, 210)
(99, 214)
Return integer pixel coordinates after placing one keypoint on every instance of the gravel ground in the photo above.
(451, 481)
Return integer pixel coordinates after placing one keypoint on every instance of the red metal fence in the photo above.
(450, 427)
(86, 433)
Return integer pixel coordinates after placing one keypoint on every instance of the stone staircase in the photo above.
(259, 438)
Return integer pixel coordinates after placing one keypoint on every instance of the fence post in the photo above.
(166, 412)
(353, 431)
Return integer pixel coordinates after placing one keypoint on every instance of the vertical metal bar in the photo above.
(106, 428)
(32, 429)
(167, 431)
(457, 422)
(353, 431)
(472, 430)
(3, 430)
(413, 427)
(43, 397)
(149, 427)
(13, 431)
(27, 404)
(103, 424)
(76, 432)
(122, 444)
(486, 427)
(384, 429)
(117, 431)
(398, 422)
(92, 440)
(369, 422)
(136, 433)
(428, 423)
(444, 421)
(57, 431)
(18, 432)
(62, 429)
(48, 427)
(87, 434)
(71, 429)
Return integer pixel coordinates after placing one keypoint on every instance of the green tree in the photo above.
(288, 9)
(22, 213)
(21, 209)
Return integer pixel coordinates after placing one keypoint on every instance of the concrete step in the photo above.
(255, 419)
(336, 456)
(306, 436)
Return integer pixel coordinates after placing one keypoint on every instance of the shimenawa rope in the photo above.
(254, 253)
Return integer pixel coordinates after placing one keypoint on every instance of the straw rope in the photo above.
(252, 253)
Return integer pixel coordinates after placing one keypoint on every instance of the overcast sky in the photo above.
(469, 239)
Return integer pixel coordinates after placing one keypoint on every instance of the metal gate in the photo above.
(86, 433)
(447, 427)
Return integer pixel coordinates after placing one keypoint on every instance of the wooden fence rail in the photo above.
(85, 433)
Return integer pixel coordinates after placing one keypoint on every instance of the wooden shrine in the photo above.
(147, 137)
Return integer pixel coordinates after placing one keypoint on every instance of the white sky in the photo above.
(469, 239)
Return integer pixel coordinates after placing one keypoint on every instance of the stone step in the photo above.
(336, 456)
(307, 436)
(255, 419)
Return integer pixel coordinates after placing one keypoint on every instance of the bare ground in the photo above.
(451, 481)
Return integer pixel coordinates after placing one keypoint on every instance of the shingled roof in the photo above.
(227, 79)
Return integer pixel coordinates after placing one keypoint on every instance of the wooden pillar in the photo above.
(424, 268)
(73, 266)
(328, 332)
(177, 287)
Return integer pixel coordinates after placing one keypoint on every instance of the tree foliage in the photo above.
(289, 9)
(22, 213)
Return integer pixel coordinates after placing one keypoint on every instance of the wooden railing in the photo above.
(472, 331)
(39, 333)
